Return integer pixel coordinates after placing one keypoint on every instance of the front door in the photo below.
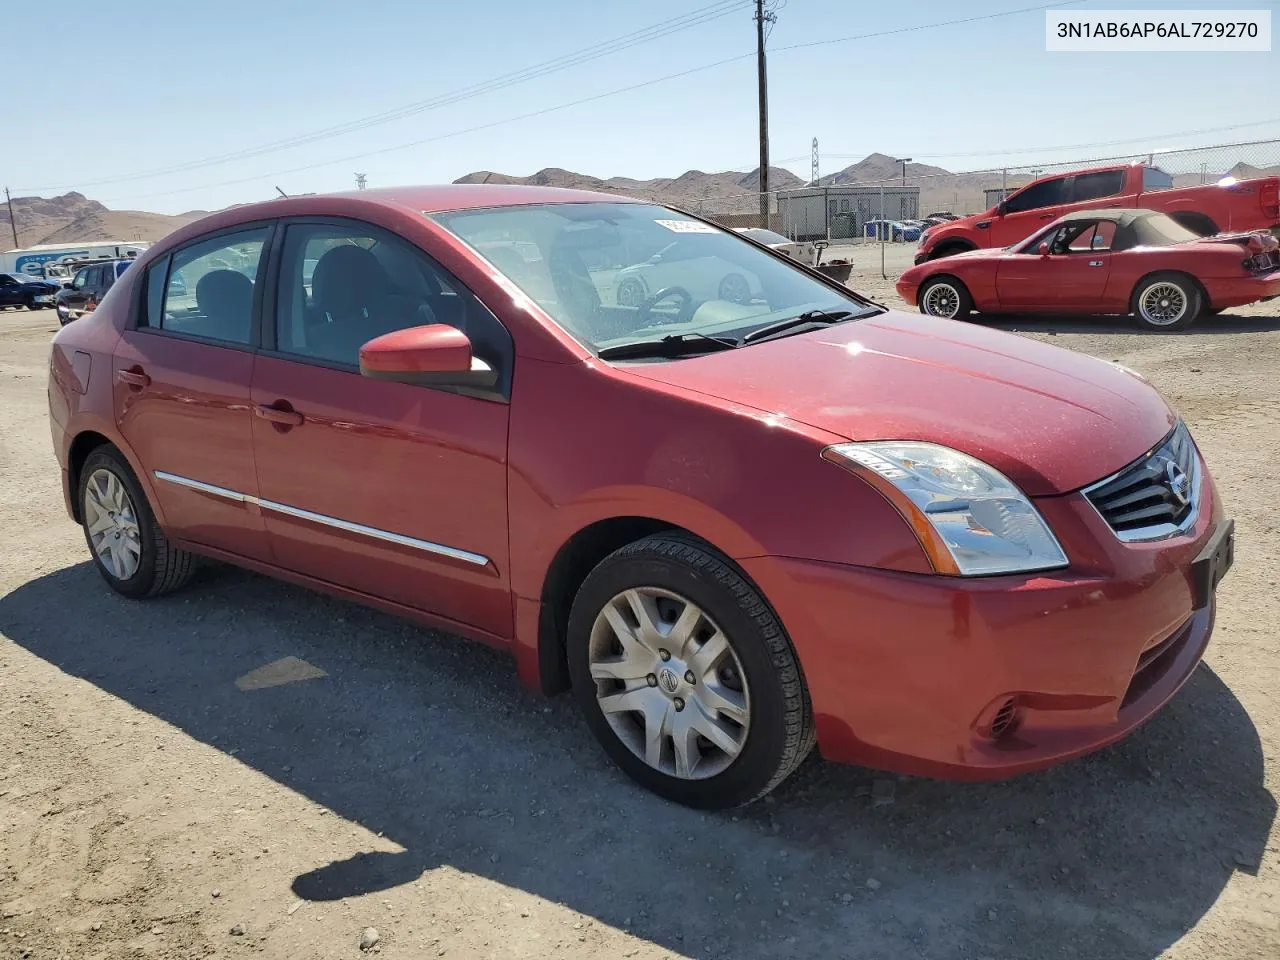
(395, 490)
(1071, 278)
(182, 385)
(1027, 211)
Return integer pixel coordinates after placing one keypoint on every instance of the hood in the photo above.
(1050, 419)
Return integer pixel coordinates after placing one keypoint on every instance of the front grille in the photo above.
(1154, 497)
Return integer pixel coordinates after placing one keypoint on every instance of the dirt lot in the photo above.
(247, 768)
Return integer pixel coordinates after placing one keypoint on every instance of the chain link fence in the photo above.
(848, 207)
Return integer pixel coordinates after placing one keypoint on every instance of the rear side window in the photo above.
(1155, 179)
(1095, 186)
(1045, 194)
(206, 290)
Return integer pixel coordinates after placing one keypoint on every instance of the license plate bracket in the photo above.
(1212, 564)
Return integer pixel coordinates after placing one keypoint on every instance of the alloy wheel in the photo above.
(942, 300)
(1162, 304)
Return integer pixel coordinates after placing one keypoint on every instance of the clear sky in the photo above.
(183, 83)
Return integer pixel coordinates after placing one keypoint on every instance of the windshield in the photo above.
(764, 236)
(615, 273)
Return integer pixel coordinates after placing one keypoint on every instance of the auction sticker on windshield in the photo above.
(687, 226)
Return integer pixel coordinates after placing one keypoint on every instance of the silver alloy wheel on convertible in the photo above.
(669, 683)
(942, 300)
(1162, 304)
(112, 523)
(734, 288)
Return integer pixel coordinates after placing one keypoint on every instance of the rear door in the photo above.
(182, 373)
(395, 490)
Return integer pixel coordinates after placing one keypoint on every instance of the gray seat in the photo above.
(224, 299)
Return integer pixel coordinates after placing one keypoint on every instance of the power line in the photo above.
(648, 34)
(584, 100)
(1064, 146)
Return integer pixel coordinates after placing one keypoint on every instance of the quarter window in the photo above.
(343, 285)
(215, 301)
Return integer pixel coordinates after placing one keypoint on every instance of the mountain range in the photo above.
(74, 218)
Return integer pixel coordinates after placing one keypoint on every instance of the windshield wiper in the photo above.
(672, 345)
(812, 316)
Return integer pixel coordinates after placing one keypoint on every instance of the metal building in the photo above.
(839, 213)
(994, 195)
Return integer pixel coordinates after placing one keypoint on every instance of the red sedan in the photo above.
(1137, 262)
(731, 527)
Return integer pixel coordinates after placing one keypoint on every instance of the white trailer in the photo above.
(52, 261)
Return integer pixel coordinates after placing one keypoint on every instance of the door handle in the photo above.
(1095, 263)
(1046, 216)
(134, 378)
(278, 412)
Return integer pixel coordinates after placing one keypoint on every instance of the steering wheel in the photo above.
(642, 311)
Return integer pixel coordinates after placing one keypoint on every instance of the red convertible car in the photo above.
(1137, 262)
(731, 527)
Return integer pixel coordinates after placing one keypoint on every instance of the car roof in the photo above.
(1122, 216)
(417, 200)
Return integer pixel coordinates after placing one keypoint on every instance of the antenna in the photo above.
(361, 181)
(282, 193)
(813, 164)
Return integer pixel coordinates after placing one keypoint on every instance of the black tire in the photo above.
(1188, 289)
(162, 567)
(31, 305)
(959, 294)
(780, 733)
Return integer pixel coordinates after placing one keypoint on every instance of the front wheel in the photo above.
(1166, 302)
(128, 547)
(945, 297)
(685, 675)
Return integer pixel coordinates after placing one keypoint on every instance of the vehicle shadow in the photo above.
(433, 743)
(1206, 326)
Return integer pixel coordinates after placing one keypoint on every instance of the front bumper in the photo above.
(921, 256)
(988, 677)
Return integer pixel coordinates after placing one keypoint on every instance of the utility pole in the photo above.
(904, 161)
(13, 222)
(361, 181)
(762, 17)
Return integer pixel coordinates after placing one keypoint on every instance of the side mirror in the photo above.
(434, 355)
(1043, 248)
(1002, 208)
(822, 244)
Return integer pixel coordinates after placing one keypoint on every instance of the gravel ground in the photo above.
(249, 767)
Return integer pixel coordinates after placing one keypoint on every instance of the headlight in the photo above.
(971, 520)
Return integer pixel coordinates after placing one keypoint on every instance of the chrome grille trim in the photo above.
(1137, 501)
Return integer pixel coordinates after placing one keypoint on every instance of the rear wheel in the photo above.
(945, 297)
(1166, 302)
(685, 675)
(128, 547)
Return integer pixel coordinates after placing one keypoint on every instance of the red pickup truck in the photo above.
(1230, 205)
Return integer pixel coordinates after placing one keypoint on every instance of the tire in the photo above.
(945, 297)
(734, 288)
(1165, 302)
(950, 249)
(755, 677)
(160, 566)
(630, 293)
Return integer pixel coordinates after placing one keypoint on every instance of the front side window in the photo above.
(1047, 193)
(617, 273)
(342, 285)
(1095, 186)
(216, 300)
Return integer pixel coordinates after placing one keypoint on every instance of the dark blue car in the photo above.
(19, 290)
